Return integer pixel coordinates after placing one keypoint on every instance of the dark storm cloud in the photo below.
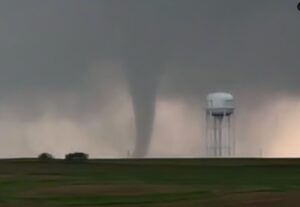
(169, 48)
(48, 44)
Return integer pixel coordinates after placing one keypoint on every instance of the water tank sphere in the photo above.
(220, 104)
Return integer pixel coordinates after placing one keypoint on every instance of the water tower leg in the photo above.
(224, 136)
(229, 144)
(215, 141)
(207, 133)
(220, 141)
(231, 135)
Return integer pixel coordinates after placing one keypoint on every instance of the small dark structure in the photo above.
(45, 156)
(76, 156)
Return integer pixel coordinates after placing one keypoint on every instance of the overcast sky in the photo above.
(76, 74)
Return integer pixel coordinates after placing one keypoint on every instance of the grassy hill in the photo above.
(151, 182)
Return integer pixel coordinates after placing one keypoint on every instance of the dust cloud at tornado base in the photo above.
(89, 73)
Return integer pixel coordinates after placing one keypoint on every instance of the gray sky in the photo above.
(77, 71)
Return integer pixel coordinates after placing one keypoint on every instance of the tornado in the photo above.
(144, 46)
(143, 77)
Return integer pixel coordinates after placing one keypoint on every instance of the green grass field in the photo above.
(151, 182)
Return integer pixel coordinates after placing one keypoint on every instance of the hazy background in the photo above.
(76, 74)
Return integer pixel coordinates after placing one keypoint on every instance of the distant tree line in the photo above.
(45, 156)
(76, 156)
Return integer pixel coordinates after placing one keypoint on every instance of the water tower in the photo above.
(219, 137)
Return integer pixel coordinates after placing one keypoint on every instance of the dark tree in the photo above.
(76, 156)
(45, 156)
